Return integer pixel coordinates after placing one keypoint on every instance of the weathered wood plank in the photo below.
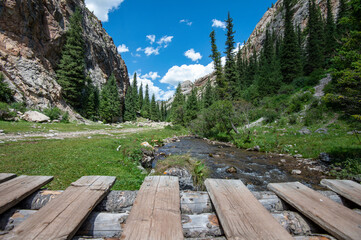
(16, 189)
(346, 188)
(156, 211)
(62, 217)
(240, 214)
(6, 176)
(336, 219)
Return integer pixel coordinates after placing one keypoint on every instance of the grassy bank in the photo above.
(69, 159)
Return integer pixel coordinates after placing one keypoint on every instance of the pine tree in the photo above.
(71, 69)
(178, 109)
(135, 93)
(153, 109)
(222, 85)
(208, 97)
(314, 48)
(191, 107)
(230, 70)
(146, 103)
(162, 112)
(290, 55)
(6, 94)
(140, 99)
(90, 102)
(129, 105)
(330, 32)
(110, 104)
(342, 12)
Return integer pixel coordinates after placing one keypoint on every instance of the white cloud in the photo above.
(151, 38)
(146, 80)
(191, 54)
(165, 40)
(186, 21)
(178, 74)
(149, 50)
(101, 8)
(151, 75)
(122, 48)
(218, 23)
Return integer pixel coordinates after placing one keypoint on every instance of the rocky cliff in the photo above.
(32, 33)
(272, 19)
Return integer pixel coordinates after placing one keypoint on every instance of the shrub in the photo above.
(6, 94)
(52, 113)
(65, 118)
(5, 112)
(19, 106)
(270, 115)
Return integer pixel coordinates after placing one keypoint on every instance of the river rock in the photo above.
(296, 172)
(184, 176)
(146, 144)
(305, 131)
(322, 131)
(324, 157)
(231, 170)
(148, 158)
(34, 116)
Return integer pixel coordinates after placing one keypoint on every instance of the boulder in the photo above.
(34, 116)
(322, 131)
(304, 131)
(231, 170)
(324, 157)
(148, 158)
(296, 172)
(184, 176)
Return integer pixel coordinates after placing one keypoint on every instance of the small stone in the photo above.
(324, 157)
(305, 131)
(297, 155)
(322, 131)
(146, 144)
(283, 160)
(231, 170)
(1, 131)
(296, 172)
(90, 137)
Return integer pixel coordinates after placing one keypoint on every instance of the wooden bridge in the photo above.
(156, 210)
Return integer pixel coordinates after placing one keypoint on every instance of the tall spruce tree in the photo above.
(71, 69)
(140, 98)
(315, 41)
(110, 104)
(230, 69)
(90, 101)
(135, 93)
(129, 105)
(153, 109)
(222, 85)
(191, 106)
(178, 108)
(342, 12)
(208, 97)
(290, 56)
(146, 103)
(330, 33)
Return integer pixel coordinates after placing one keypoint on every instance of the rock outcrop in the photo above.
(32, 33)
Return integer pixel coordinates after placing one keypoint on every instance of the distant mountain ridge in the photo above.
(32, 33)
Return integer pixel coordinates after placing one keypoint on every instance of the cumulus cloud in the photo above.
(218, 24)
(122, 48)
(178, 74)
(101, 8)
(149, 50)
(151, 38)
(165, 40)
(186, 21)
(191, 54)
(151, 75)
(146, 79)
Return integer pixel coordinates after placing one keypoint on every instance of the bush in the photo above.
(52, 113)
(292, 119)
(6, 94)
(5, 112)
(19, 106)
(65, 118)
(270, 115)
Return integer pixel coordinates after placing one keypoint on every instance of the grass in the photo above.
(28, 127)
(69, 159)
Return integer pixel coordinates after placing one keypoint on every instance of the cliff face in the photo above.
(32, 33)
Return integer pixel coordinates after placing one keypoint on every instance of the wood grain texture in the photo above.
(6, 176)
(62, 217)
(155, 214)
(241, 215)
(336, 219)
(16, 189)
(346, 188)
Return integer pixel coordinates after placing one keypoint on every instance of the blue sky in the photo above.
(167, 42)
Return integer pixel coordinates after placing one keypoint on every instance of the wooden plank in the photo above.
(6, 176)
(16, 189)
(62, 217)
(241, 215)
(346, 188)
(156, 211)
(336, 219)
